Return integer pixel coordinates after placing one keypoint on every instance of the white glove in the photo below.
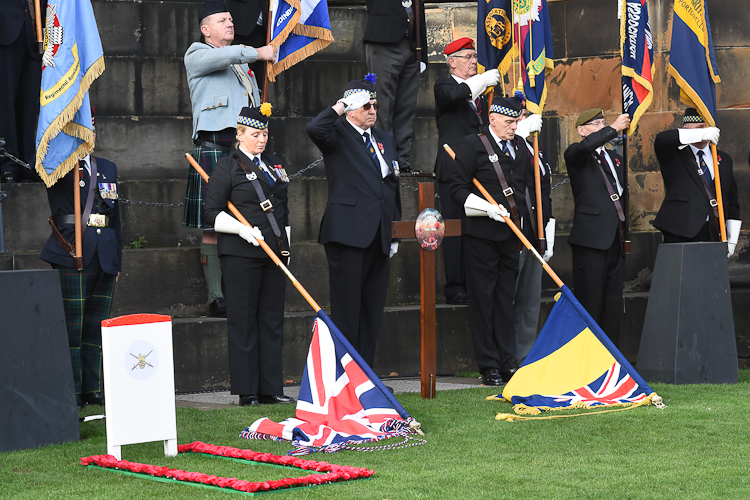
(549, 234)
(355, 100)
(394, 249)
(529, 125)
(474, 206)
(733, 234)
(251, 234)
(227, 224)
(479, 83)
(693, 135)
(288, 230)
(497, 212)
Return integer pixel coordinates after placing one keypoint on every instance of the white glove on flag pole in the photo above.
(227, 224)
(474, 206)
(693, 135)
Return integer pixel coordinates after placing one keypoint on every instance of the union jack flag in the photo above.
(341, 401)
(573, 364)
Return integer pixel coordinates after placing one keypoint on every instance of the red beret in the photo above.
(460, 44)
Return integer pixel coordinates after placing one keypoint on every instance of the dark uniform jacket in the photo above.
(686, 204)
(360, 200)
(245, 15)
(387, 22)
(229, 183)
(544, 181)
(15, 18)
(455, 120)
(595, 220)
(106, 241)
(473, 161)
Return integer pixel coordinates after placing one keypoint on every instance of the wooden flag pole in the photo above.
(515, 229)
(269, 64)
(38, 22)
(417, 32)
(719, 199)
(538, 189)
(263, 244)
(78, 257)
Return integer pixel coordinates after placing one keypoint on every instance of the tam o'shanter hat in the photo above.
(589, 115)
(691, 116)
(460, 44)
(255, 117)
(508, 106)
(368, 84)
(211, 7)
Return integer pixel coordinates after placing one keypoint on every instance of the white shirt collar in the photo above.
(706, 150)
(358, 129)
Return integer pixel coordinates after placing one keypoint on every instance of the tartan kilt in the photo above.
(196, 186)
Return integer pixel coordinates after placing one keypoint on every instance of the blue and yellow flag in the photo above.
(300, 29)
(531, 25)
(637, 51)
(691, 59)
(573, 364)
(73, 58)
(495, 49)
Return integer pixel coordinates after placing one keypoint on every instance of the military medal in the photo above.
(108, 190)
(395, 168)
(281, 173)
(81, 183)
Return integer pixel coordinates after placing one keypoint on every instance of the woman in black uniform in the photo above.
(254, 286)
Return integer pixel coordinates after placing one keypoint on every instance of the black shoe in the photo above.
(491, 376)
(459, 299)
(249, 400)
(508, 374)
(93, 398)
(79, 402)
(275, 400)
(218, 308)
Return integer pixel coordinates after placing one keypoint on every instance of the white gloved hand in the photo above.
(497, 212)
(394, 249)
(227, 224)
(288, 230)
(529, 125)
(549, 234)
(251, 235)
(479, 83)
(733, 234)
(356, 100)
(474, 206)
(694, 135)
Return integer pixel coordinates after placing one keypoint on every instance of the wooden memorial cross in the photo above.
(406, 229)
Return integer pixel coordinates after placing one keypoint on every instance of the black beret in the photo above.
(508, 106)
(211, 7)
(691, 116)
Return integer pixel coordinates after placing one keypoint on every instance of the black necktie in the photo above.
(704, 171)
(257, 164)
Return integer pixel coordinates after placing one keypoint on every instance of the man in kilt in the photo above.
(221, 84)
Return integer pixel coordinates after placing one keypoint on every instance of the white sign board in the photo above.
(139, 382)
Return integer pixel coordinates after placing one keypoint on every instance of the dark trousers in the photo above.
(87, 301)
(708, 232)
(254, 294)
(597, 280)
(358, 280)
(20, 80)
(453, 254)
(398, 83)
(491, 271)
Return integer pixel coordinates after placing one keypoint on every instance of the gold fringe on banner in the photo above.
(522, 410)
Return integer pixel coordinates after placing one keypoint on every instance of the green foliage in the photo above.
(698, 447)
(141, 242)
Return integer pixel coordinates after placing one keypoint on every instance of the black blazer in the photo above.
(15, 20)
(360, 200)
(595, 220)
(455, 120)
(105, 241)
(544, 181)
(473, 161)
(387, 22)
(686, 204)
(229, 183)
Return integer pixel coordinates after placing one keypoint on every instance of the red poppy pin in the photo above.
(380, 146)
(250, 72)
(718, 158)
(617, 161)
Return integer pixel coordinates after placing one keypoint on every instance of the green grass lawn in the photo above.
(698, 447)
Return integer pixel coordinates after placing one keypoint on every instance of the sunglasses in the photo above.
(366, 107)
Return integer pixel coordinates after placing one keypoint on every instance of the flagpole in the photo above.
(719, 199)
(417, 32)
(510, 223)
(77, 258)
(269, 64)
(38, 22)
(262, 243)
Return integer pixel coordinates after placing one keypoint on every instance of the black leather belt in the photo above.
(103, 220)
(212, 145)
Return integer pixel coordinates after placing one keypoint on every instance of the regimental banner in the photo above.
(300, 29)
(637, 51)
(691, 59)
(531, 26)
(494, 35)
(73, 58)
